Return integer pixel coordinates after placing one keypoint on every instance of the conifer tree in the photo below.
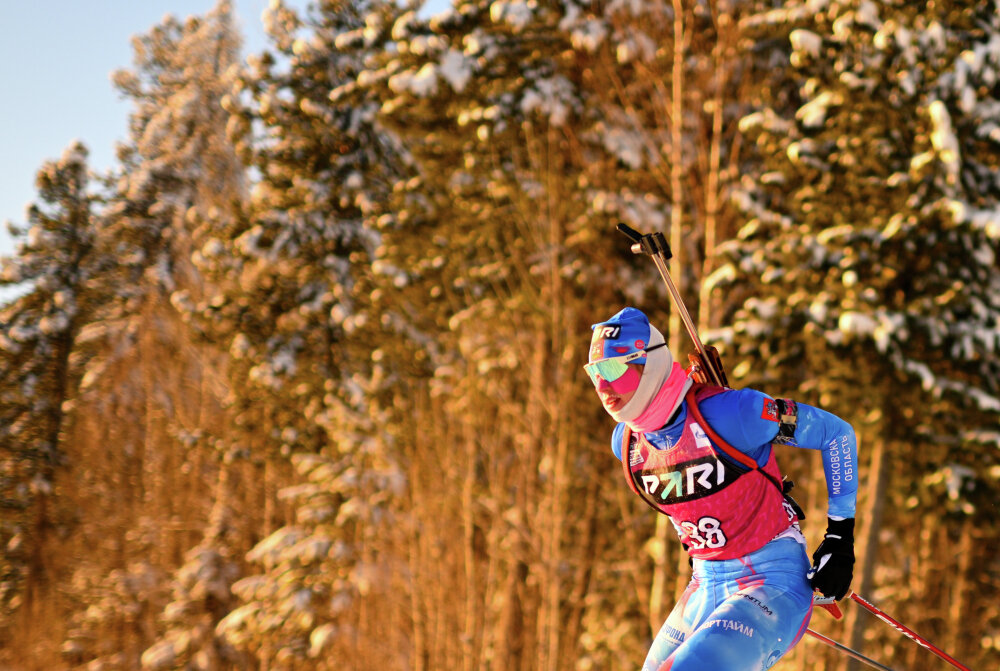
(867, 267)
(40, 366)
(291, 260)
(178, 156)
(177, 168)
(303, 340)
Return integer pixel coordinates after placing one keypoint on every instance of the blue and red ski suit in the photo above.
(713, 471)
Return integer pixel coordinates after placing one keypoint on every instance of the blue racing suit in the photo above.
(744, 614)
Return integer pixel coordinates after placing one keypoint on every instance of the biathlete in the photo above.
(702, 455)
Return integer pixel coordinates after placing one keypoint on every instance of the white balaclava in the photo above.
(663, 382)
(654, 373)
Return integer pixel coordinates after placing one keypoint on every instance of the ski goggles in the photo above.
(613, 367)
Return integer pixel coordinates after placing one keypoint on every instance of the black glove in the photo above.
(833, 561)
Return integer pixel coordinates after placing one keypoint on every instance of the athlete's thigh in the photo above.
(693, 606)
(749, 631)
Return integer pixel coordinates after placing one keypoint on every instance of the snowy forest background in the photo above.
(298, 384)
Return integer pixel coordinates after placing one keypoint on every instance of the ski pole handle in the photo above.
(829, 604)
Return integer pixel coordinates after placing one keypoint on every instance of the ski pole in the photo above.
(655, 245)
(909, 633)
(850, 652)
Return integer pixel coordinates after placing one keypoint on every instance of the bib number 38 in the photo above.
(706, 533)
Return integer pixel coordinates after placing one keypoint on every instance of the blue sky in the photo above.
(57, 58)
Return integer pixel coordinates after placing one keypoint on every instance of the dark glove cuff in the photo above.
(843, 528)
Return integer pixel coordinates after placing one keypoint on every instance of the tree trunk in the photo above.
(471, 624)
(961, 589)
(867, 550)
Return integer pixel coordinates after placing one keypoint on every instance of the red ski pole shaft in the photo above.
(909, 633)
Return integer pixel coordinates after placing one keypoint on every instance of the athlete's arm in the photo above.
(818, 429)
(750, 421)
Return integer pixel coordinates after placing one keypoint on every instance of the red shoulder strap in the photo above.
(626, 458)
(627, 468)
(729, 450)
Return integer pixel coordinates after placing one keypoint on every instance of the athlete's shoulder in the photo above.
(742, 401)
(616, 439)
(745, 417)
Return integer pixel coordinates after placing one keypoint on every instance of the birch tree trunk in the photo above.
(657, 611)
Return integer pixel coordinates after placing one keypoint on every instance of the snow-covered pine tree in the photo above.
(304, 340)
(286, 271)
(54, 265)
(177, 158)
(867, 268)
(886, 170)
(152, 483)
